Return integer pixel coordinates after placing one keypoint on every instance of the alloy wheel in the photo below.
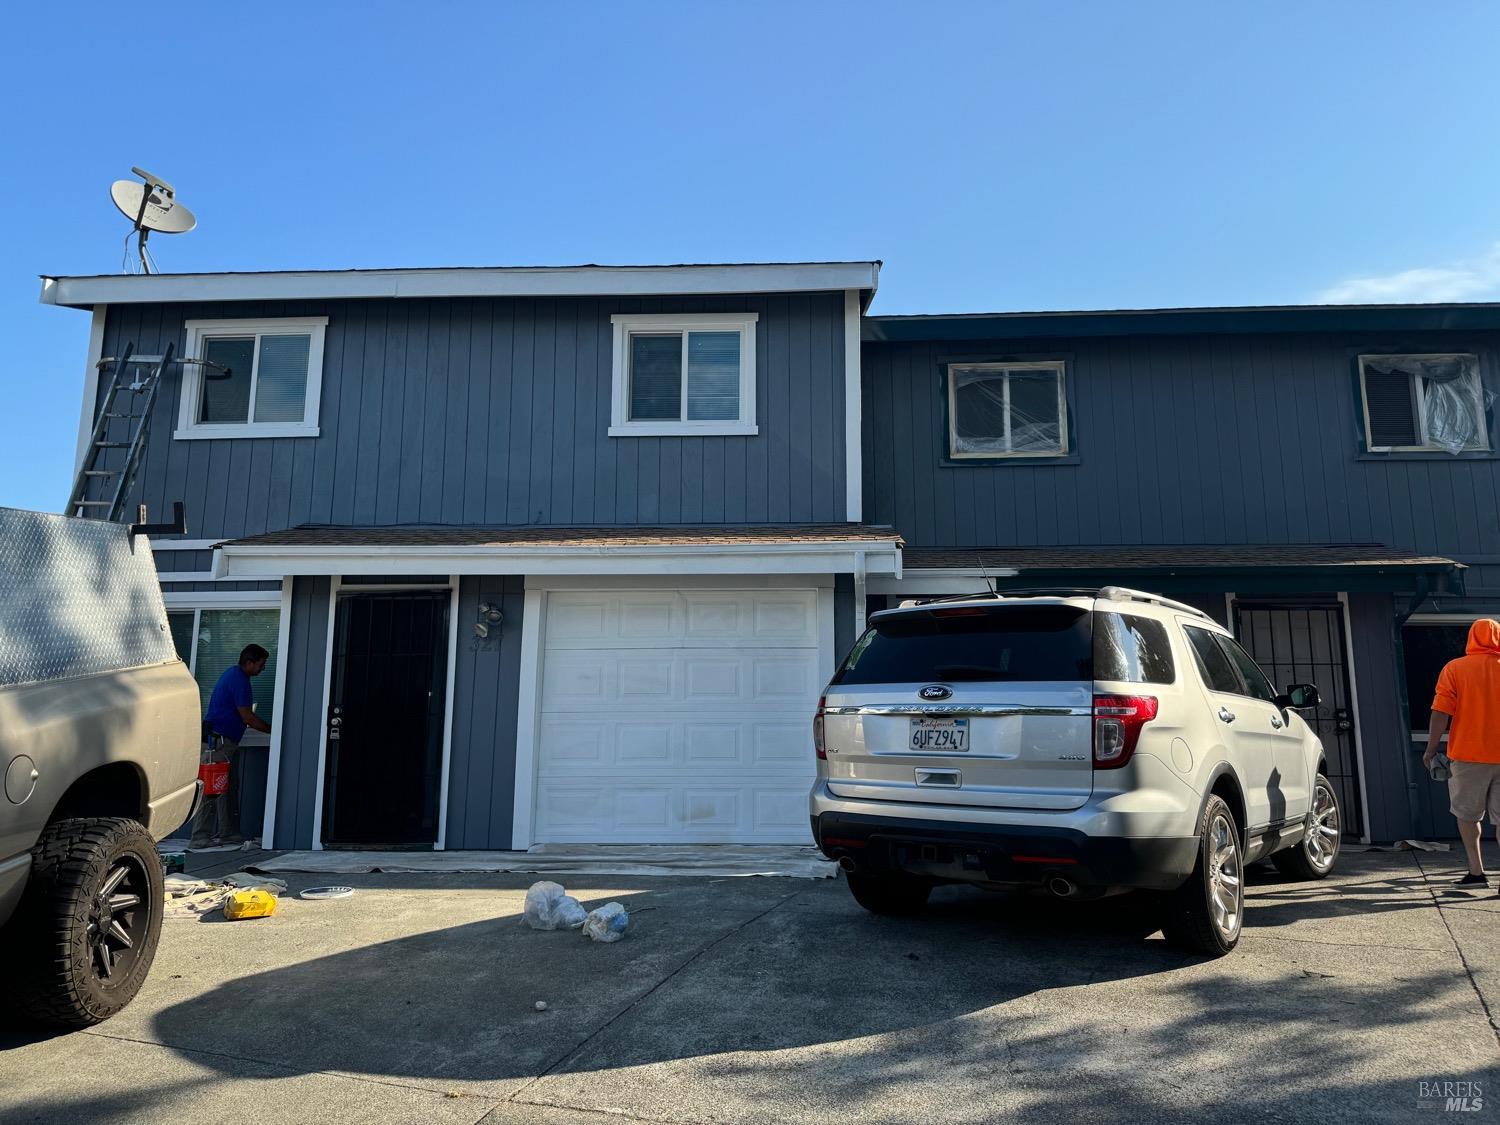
(1322, 838)
(118, 919)
(1225, 877)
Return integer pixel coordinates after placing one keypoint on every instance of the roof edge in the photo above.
(462, 281)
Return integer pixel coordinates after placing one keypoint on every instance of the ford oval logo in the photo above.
(935, 691)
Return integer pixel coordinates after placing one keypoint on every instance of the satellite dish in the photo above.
(150, 206)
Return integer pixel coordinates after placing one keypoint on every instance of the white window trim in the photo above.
(1421, 398)
(199, 331)
(624, 324)
(1057, 366)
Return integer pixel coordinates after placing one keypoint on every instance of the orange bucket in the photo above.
(215, 776)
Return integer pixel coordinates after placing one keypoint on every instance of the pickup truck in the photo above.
(99, 747)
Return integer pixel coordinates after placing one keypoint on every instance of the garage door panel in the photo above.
(677, 716)
(743, 740)
(648, 679)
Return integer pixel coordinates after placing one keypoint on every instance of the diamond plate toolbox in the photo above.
(77, 597)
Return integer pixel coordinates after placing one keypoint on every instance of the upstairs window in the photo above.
(998, 410)
(683, 374)
(262, 378)
(1423, 402)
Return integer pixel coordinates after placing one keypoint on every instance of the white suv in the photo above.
(1078, 741)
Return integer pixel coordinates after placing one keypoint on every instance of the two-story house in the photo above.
(565, 555)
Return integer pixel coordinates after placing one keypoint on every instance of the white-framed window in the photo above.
(1424, 402)
(686, 374)
(1012, 409)
(263, 378)
(209, 639)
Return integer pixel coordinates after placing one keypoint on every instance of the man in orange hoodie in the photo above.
(1467, 707)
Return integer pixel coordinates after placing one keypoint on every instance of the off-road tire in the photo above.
(1313, 856)
(1190, 920)
(888, 893)
(50, 961)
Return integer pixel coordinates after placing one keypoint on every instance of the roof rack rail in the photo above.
(1114, 593)
(1126, 594)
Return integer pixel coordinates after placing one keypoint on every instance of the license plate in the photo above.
(944, 735)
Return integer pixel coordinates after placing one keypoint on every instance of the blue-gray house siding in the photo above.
(490, 412)
(1202, 439)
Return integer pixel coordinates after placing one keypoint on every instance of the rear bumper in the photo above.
(1005, 854)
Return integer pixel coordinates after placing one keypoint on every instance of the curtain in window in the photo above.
(713, 376)
(226, 397)
(656, 378)
(222, 633)
(281, 382)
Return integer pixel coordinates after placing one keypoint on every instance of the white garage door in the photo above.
(677, 717)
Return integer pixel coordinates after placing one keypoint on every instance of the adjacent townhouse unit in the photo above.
(554, 555)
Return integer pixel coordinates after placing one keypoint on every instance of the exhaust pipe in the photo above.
(846, 863)
(1062, 888)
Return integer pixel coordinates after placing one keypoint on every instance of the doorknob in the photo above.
(1226, 714)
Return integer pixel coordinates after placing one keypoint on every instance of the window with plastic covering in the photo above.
(1419, 403)
(998, 410)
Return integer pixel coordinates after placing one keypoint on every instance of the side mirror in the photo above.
(1299, 697)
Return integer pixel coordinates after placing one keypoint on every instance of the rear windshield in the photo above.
(1008, 643)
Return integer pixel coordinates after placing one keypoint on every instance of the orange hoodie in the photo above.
(1469, 690)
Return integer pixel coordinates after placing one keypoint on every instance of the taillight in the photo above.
(818, 731)
(1118, 720)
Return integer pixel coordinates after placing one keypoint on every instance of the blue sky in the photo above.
(994, 155)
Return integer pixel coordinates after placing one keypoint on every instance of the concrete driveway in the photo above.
(751, 1000)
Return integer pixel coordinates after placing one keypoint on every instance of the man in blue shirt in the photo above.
(231, 710)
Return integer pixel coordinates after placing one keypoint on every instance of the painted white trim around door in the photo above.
(278, 709)
(528, 706)
(336, 588)
(441, 843)
(1359, 738)
(333, 613)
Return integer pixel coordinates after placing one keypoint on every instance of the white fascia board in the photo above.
(253, 562)
(558, 281)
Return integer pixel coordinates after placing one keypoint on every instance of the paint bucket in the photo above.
(215, 777)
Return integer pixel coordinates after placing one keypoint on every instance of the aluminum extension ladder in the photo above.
(119, 437)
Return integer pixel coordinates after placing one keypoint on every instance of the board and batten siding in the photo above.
(486, 683)
(1203, 439)
(301, 717)
(496, 411)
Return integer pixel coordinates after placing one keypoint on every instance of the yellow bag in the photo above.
(252, 903)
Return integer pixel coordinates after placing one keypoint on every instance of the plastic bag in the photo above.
(607, 923)
(549, 907)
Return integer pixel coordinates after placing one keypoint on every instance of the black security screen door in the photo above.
(385, 719)
(1304, 644)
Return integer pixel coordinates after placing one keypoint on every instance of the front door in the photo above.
(1304, 643)
(385, 718)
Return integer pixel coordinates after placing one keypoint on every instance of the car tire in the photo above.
(1205, 914)
(1313, 856)
(888, 893)
(83, 938)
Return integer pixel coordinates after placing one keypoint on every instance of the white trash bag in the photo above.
(607, 923)
(549, 907)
